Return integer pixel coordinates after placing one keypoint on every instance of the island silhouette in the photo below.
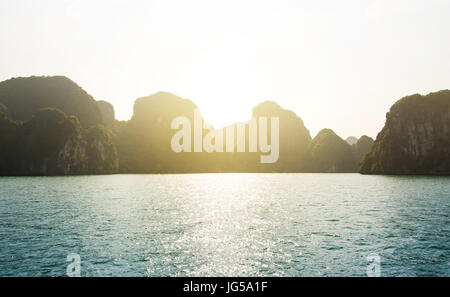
(51, 126)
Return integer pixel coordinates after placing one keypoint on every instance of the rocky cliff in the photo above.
(415, 138)
(362, 146)
(107, 112)
(52, 143)
(101, 151)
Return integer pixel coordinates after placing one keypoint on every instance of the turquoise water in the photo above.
(225, 225)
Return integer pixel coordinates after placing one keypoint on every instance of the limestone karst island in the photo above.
(51, 126)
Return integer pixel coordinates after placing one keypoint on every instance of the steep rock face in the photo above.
(107, 112)
(101, 151)
(330, 153)
(362, 147)
(9, 143)
(415, 138)
(52, 143)
(4, 110)
(71, 158)
(24, 96)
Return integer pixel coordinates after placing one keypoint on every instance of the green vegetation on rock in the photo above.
(415, 138)
(24, 96)
(52, 143)
(50, 126)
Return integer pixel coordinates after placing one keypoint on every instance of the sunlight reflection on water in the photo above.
(224, 224)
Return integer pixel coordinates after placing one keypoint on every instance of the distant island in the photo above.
(51, 126)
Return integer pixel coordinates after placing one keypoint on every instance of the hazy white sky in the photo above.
(337, 64)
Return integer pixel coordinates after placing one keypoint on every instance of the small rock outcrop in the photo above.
(107, 112)
(362, 146)
(330, 153)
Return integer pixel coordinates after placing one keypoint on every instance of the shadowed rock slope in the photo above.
(24, 96)
(415, 138)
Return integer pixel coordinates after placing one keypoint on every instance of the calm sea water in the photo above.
(225, 225)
